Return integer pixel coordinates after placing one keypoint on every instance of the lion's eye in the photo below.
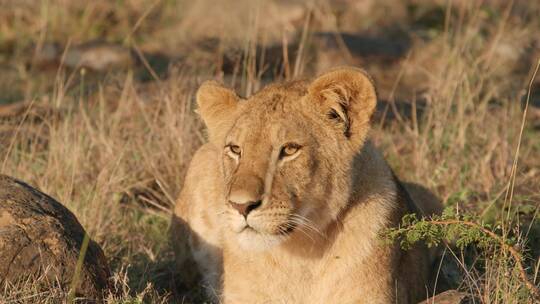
(288, 150)
(234, 149)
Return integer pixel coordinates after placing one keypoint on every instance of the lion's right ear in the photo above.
(347, 96)
(217, 106)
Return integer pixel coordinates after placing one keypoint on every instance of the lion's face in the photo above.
(271, 165)
(287, 153)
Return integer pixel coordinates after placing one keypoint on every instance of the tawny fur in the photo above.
(315, 238)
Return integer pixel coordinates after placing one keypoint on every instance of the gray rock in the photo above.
(98, 56)
(95, 55)
(41, 238)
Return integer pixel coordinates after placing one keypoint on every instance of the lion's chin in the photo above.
(250, 239)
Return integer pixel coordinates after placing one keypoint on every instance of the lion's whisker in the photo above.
(307, 223)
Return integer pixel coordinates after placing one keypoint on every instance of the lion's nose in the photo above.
(245, 208)
(246, 193)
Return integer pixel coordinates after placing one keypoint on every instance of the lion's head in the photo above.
(287, 152)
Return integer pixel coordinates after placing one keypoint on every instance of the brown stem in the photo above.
(515, 254)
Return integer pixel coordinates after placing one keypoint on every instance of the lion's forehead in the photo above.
(278, 98)
(272, 116)
(284, 90)
(260, 128)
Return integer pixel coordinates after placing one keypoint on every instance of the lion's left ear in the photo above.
(217, 106)
(348, 98)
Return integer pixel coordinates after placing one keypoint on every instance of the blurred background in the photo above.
(96, 109)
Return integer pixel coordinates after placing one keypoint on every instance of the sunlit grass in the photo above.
(114, 149)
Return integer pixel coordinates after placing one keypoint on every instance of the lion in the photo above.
(287, 200)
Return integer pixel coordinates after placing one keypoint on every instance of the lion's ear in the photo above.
(348, 98)
(217, 106)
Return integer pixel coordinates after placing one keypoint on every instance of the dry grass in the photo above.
(114, 148)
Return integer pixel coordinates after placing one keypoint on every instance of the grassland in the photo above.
(459, 113)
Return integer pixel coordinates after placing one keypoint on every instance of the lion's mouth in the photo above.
(282, 230)
(248, 228)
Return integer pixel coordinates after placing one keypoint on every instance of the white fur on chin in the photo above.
(252, 240)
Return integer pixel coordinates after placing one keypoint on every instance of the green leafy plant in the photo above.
(463, 231)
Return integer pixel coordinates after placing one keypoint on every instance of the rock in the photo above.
(354, 15)
(41, 238)
(335, 49)
(271, 21)
(29, 111)
(94, 55)
(27, 122)
(98, 56)
(449, 297)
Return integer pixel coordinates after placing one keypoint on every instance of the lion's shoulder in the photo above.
(204, 163)
(201, 179)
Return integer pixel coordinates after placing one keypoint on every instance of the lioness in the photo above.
(287, 200)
